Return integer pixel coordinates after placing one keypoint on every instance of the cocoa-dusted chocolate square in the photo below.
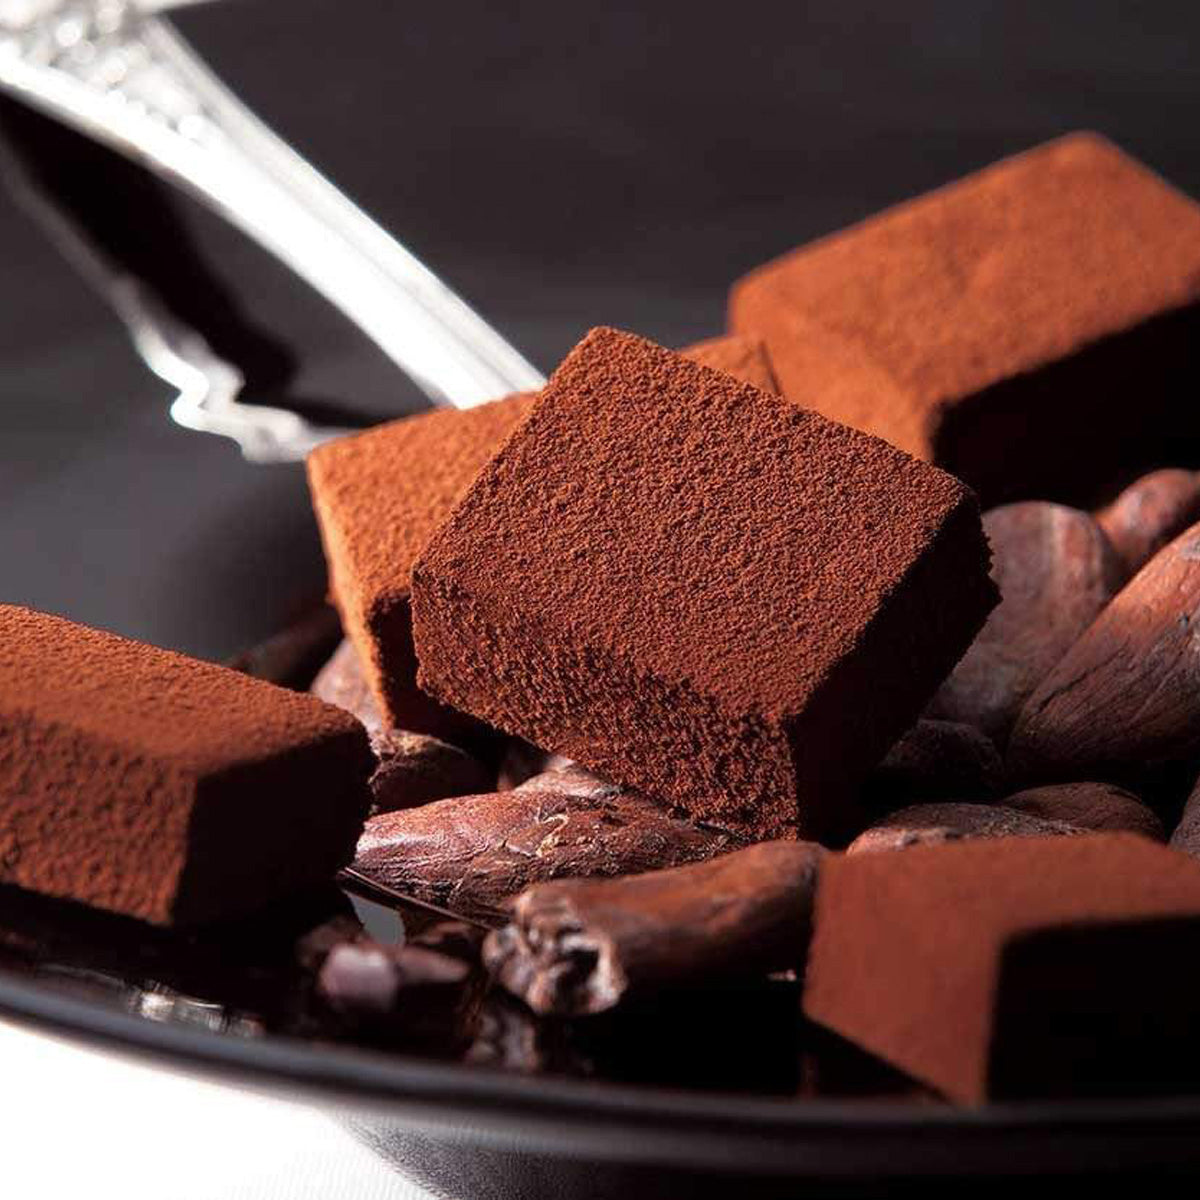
(745, 358)
(161, 787)
(1015, 968)
(380, 495)
(989, 325)
(700, 590)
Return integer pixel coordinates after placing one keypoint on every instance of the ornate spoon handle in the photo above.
(126, 78)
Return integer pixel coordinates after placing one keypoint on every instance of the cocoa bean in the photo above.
(1055, 570)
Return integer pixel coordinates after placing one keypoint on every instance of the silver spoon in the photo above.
(120, 74)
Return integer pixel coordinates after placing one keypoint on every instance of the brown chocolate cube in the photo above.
(1001, 326)
(380, 495)
(161, 787)
(1015, 968)
(699, 590)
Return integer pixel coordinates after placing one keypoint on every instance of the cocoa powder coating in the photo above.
(1017, 967)
(161, 787)
(378, 496)
(745, 358)
(685, 584)
(984, 325)
(1055, 570)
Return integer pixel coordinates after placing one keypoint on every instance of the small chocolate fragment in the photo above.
(422, 988)
(314, 945)
(935, 760)
(1186, 838)
(472, 853)
(1149, 513)
(700, 631)
(1100, 807)
(1024, 967)
(1030, 328)
(161, 787)
(365, 977)
(579, 946)
(930, 824)
(1125, 699)
(412, 768)
(1055, 571)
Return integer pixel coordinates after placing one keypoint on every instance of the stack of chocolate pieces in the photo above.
(710, 668)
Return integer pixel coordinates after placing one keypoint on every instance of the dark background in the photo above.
(562, 165)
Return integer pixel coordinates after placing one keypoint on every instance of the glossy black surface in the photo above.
(617, 164)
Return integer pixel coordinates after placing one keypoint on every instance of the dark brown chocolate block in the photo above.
(685, 584)
(1000, 326)
(380, 495)
(473, 853)
(1014, 968)
(157, 786)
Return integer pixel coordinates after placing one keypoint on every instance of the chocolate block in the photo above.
(380, 495)
(1015, 968)
(581, 946)
(744, 358)
(1055, 570)
(686, 584)
(473, 853)
(988, 325)
(164, 788)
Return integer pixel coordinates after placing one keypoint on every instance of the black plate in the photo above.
(409, 1108)
(620, 166)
